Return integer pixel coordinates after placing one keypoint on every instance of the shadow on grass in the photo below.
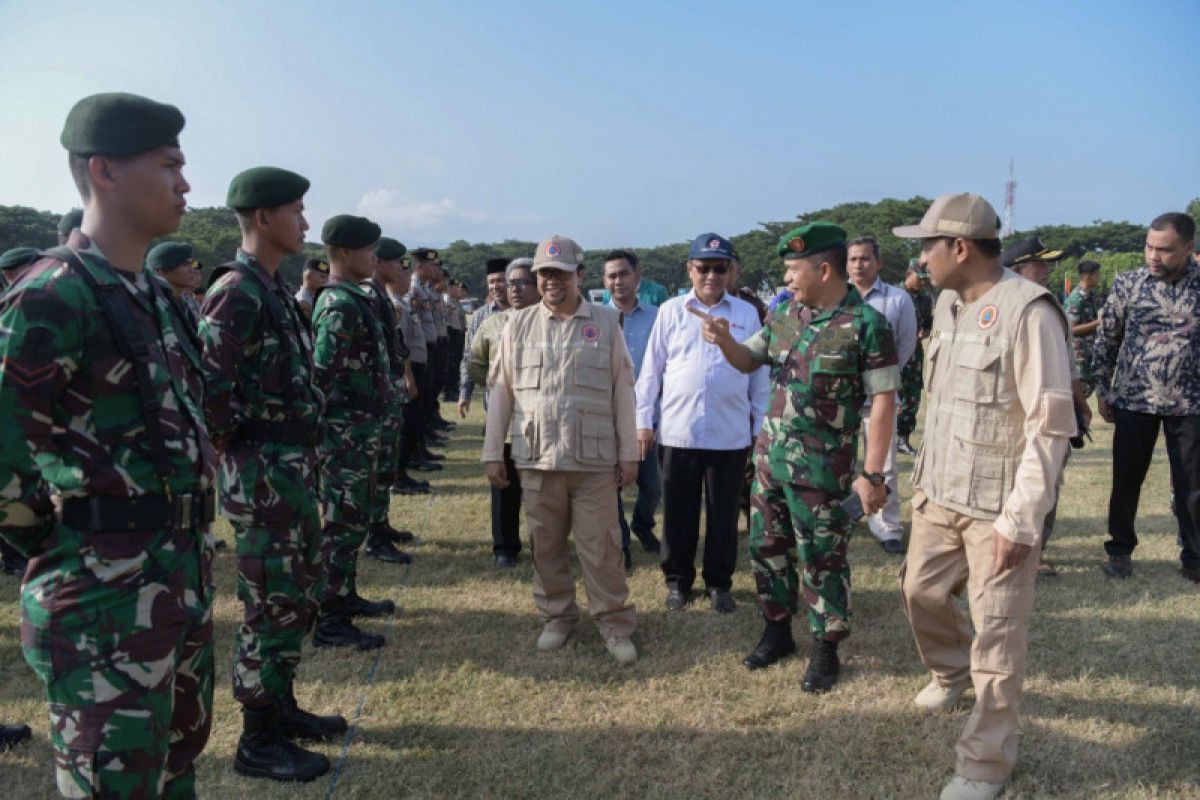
(829, 751)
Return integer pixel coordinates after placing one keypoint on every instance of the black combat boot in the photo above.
(398, 536)
(379, 546)
(823, 667)
(356, 606)
(294, 722)
(405, 484)
(13, 735)
(776, 643)
(334, 629)
(263, 751)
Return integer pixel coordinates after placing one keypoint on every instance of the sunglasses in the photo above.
(704, 269)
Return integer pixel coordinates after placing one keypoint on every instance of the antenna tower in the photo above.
(1010, 200)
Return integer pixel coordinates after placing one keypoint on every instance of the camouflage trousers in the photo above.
(269, 493)
(798, 526)
(912, 382)
(118, 627)
(349, 457)
(389, 459)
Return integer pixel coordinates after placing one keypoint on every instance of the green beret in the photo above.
(18, 257)
(350, 232)
(265, 187)
(70, 221)
(168, 255)
(119, 124)
(389, 249)
(810, 239)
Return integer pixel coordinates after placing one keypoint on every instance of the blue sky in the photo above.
(628, 123)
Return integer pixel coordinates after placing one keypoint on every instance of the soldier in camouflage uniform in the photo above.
(382, 536)
(828, 351)
(101, 393)
(912, 381)
(263, 410)
(1083, 312)
(352, 370)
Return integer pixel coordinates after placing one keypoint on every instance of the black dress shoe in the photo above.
(264, 752)
(1191, 573)
(399, 536)
(823, 668)
(293, 722)
(13, 735)
(893, 547)
(649, 542)
(356, 606)
(776, 643)
(721, 600)
(506, 561)
(1118, 567)
(339, 631)
(380, 547)
(677, 599)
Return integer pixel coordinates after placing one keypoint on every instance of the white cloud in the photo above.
(388, 206)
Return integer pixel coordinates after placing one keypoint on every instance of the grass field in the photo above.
(461, 705)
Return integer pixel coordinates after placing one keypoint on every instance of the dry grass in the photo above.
(461, 705)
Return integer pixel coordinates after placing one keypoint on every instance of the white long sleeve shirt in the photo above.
(706, 403)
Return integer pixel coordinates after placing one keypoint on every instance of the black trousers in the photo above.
(414, 416)
(688, 475)
(1133, 448)
(454, 355)
(506, 511)
(437, 378)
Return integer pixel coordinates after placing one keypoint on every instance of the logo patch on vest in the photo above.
(590, 333)
(988, 316)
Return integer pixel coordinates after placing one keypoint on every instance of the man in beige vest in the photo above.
(563, 389)
(998, 419)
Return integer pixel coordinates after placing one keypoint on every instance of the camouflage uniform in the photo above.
(117, 603)
(397, 398)
(912, 380)
(1083, 307)
(351, 361)
(824, 365)
(261, 400)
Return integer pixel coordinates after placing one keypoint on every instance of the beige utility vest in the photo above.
(562, 383)
(974, 422)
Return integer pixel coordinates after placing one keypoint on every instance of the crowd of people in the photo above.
(140, 406)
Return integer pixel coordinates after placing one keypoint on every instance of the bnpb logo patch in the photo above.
(590, 333)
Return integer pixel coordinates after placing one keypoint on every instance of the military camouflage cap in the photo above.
(388, 249)
(807, 240)
(120, 124)
(18, 257)
(168, 255)
(350, 232)
(265, 187)
(70, 221)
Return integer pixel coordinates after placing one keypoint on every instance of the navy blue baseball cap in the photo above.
(712, 245)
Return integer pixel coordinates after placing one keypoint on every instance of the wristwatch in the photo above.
(876, 478)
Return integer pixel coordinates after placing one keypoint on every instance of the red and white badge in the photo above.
(590, 333)
(988, 316)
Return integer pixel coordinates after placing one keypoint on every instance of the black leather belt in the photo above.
(291, 432)
(148, 512)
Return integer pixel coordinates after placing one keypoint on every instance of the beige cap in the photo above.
(962, 216)
(558, 252)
